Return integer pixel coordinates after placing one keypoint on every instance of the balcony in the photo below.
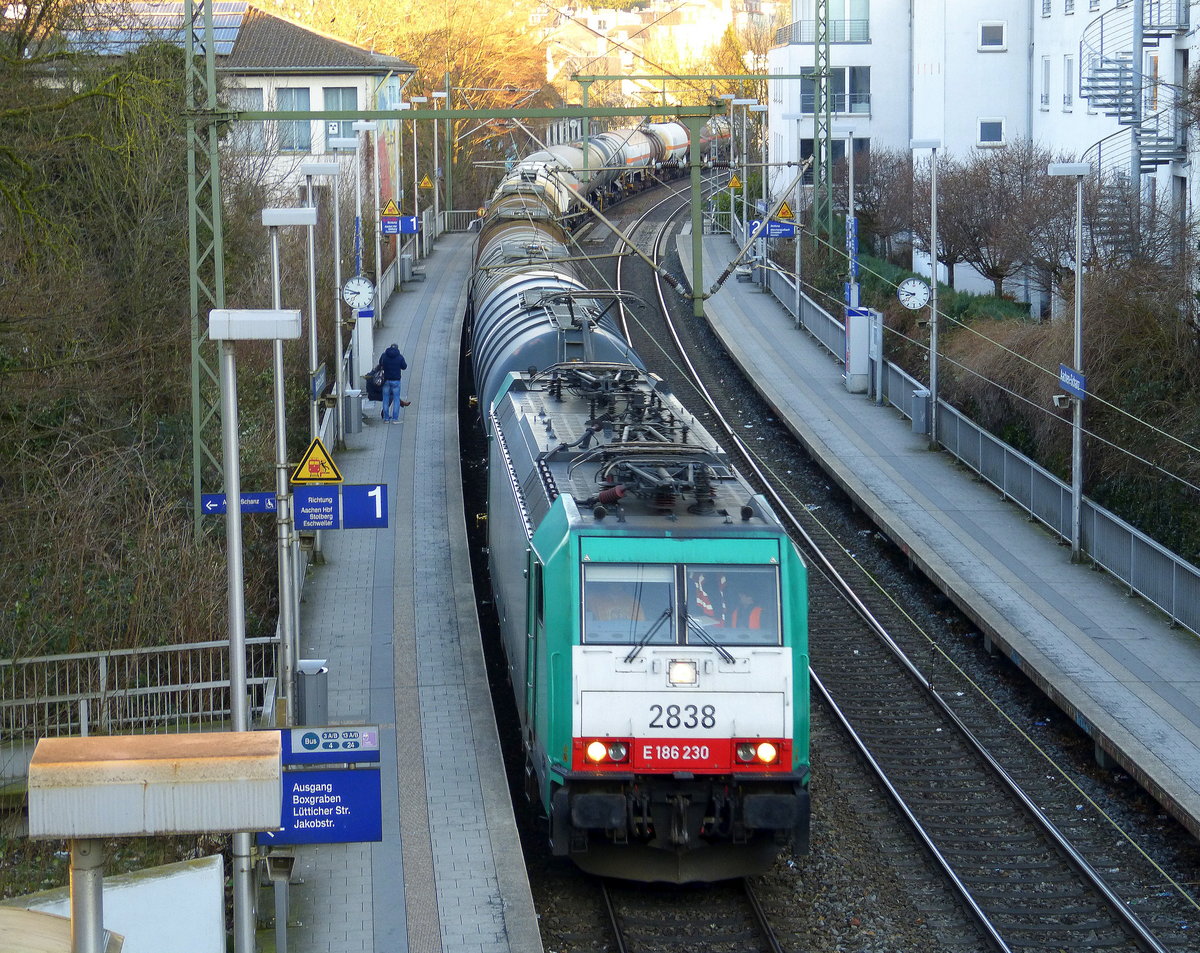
(840, 103)
(840, 31)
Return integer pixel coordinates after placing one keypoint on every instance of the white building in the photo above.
(982, 73)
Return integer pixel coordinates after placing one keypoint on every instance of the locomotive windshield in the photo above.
(625, 604)
(640, 604)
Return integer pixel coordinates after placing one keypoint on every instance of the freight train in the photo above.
(611, 165)
(653, 611)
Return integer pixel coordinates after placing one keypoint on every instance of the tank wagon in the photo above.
(652, 609)
(613, 164)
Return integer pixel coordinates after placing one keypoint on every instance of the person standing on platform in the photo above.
(394, 366)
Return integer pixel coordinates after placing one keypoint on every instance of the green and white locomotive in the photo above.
(652, 608)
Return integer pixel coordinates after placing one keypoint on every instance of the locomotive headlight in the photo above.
(766, 752)
(745, 752)
(597, 751)
(618, 751)
(681, 672)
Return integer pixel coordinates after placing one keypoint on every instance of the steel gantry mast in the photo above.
(822, 203)
(206, 251)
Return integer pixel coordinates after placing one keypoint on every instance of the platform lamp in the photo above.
(274, 219)
(847, 133)
(761, 250)
(729, 97)
(798, 118)
(416, 101)
(339, 354)
(744, 101)
(1080, 170)
(225, 327)
(933, 145)
(439, 97)
(310, 171)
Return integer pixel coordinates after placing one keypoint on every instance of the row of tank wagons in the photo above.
(604, 169)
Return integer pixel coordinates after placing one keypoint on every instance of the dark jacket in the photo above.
(392, 363)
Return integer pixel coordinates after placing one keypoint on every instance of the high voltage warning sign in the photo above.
(426, 183)
(785, 211)
(735, 182)
(317, 466)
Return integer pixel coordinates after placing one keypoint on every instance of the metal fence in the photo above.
(166, 688)
(1149, 569)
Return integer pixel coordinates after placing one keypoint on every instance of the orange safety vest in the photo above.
(753, 622)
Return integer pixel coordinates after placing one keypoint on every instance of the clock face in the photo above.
(358, 292)
(913, 293)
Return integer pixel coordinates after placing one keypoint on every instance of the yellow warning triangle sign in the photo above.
(317, 466)
(785, 211)
(735, 182)
(426, 183)
(391, 209)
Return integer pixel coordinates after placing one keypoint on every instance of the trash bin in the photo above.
(406, 267)
(920, 410)
(352, 409)
(312, 692)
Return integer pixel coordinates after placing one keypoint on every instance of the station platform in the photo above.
(393, 613)
(1112, 662)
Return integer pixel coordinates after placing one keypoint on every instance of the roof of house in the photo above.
(247, 39)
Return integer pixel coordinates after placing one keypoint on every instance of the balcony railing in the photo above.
(840, 31)
(839, 102)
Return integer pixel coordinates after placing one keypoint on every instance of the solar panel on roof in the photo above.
(129, 26)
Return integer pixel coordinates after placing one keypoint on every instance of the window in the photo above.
(992, 35)
(640, 604)
(295, 135)
(849, 90)
(340, 97)
(1045, 8)
(1045, 82)
(1093, 4)
(733, 605)
(1068, 6)
(247, 136)
(1068, 82)
(991, 132)
(628, 604)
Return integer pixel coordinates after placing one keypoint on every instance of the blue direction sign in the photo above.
(774, 229)
(333, 745)
(409, 225)
(316, 507)
(318, 382)
(390, 225)
(1072, 381)
(364, 506)
(329, 807)
(214, 504)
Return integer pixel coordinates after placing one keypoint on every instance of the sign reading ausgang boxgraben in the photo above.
(329, 807)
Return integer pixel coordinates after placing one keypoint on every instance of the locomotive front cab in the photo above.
(689, 716)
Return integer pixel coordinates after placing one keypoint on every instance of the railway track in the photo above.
(941, 750)
(714, 918)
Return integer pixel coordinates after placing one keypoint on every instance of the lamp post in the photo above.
(416, 183)
(274, 219)
(743, 101)
(933, 145)
(851, 215)
(729, 97)
(761, 250)
(798, 118)
(339, 354)
(1080, 170)
(225, 327)
(310, 170)
(438, 95)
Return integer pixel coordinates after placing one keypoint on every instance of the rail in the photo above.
(1145, 566)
